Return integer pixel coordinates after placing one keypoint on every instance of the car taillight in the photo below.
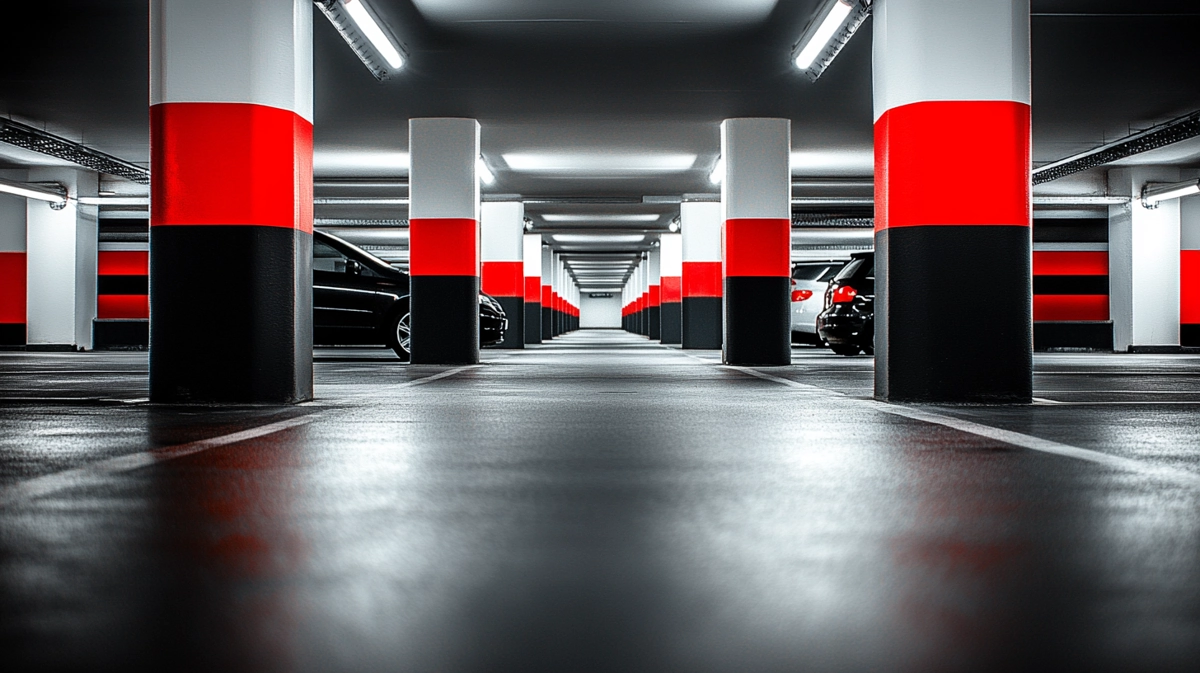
(801, 295)
(844, 294)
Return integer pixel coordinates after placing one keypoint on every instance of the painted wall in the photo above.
(600, 313)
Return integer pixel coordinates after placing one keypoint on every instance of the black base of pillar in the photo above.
(653, 327)
(758, 320)
(670, 323)
(961, 331)
(12, 334)
(445, 320)
(120, 334)
(547, 324)
(514, 310)
(702, 323)
(232, 309)
(1189, 335)
(533, 323)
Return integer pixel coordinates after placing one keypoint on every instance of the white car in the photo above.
(809, 281)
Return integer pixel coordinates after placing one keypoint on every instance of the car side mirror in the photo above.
(353, 267)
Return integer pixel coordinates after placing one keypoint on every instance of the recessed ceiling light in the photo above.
(598, 238)
(572, 217)
(599, 163)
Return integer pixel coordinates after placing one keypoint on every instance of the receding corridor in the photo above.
(599, 503)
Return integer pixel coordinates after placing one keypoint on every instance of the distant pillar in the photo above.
(701, 275)
(547, 293)
(654, 295)
(1144, 259)
(533, 288)
(951, 90)
(503, 249)
(1189, 271)
(444, 240)
(671, 270)
(12, 268)
(61, 257)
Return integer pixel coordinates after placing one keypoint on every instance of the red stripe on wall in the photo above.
(702, 279)
(533, 290)
(504, 279)
(1068, 263)
(1189, 287)
(758, 247)
(443, 246)
(918, 146)
(655, 297)
(12, 287)
(672, 289)
(230, 164)
(1070, 307)
(127, 306)
(123, 263)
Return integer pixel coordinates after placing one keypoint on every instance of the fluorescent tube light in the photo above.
(358, 27)
(823, 39)
(484, 174)
(833, 20)
(1156, 192)
(598, 238)
(53, 193)
(115, 200)
(599, 163)
(366, 23)
(565, 217)
(718, 172)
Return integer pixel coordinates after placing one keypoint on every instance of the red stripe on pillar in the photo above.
(672, 289)
(533, 289)
(12, 287)
(655, 296)
(123, 263)
(547, 297)
(1189, 287)
(702, 279)
(758, 247)
(1070, 307)
(443, 246)
(1068, 263)
(230, 164)
(920, 152)
(126, 306)
(504, 279)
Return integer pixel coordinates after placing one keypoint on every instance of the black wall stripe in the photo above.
(1070, 284)
(123, 285)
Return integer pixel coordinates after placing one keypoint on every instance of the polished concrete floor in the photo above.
(600, 503)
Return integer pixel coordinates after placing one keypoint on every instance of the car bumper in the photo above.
(854, 328)
(491, 330)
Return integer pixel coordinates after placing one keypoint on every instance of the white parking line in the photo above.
(1007, 436)
(100, 471)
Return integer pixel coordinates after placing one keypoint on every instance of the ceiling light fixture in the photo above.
(576, 217)
(51, 192)
(484, 174)
(599, 163)
(598, 238)
(1155, 193)
(827, 34)
(366, 36)
(718, 172)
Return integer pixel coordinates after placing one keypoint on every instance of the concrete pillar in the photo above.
(231, 207)
(61, 264)
(700, 225)
(654, 294)
(952, 201)
(671, 278)
(1189, 271)
(1144, 263)
(12, 266)
(443, 223)
(503, 249)
(547, 293)
(756, 197)
(533, 288)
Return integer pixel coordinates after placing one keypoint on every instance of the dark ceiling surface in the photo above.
(573, 80)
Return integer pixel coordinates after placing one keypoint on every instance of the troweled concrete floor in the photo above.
(600, 503)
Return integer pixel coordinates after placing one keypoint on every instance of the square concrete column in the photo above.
(503, 252)
(700, 271)
(671, 279)
(12, 264)
(654, 294)
(756, 201)
(952, 202)
(1144, 263)
(443, 226)
(547, 293)
(61, 264)
(533, 288)
(1189, 270)
(231, 201)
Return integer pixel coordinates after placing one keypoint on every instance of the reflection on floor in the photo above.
(600, 503)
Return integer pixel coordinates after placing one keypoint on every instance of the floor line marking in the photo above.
(1007, 436)
(98, 472)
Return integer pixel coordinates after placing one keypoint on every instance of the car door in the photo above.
(346, 307)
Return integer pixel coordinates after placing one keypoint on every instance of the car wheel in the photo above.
(844, 349)
(400, 333)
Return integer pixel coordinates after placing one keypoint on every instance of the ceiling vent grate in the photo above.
(1180, 128)
(36, 140)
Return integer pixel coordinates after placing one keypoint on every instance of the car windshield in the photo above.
(848, 270)
(859, 267)
(359, 251)
(830, 273)
(810, 271)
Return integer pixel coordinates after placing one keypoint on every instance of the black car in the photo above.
(848, 321)
(361, 300)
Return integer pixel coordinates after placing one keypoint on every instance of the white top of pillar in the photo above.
(700, 225)
(653, 268)
(671, 255)
(232, 51)
(442, 182)
(502, 227)
(758, 177)
(533, 255)
(935, 50)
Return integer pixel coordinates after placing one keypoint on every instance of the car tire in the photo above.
(845, 349)
(399, 332)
